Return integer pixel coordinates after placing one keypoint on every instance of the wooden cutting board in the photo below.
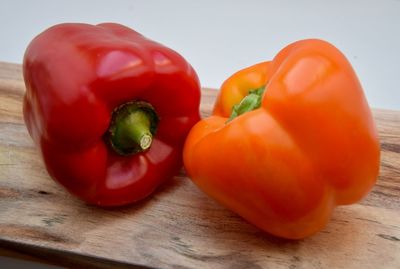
(179, 226)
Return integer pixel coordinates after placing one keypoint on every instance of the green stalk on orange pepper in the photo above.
(109, 109)
(288, 141)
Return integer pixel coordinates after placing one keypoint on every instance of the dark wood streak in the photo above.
(389, 237)
(379, 192)
(44, 193)
(54, 220)
(373, 221)
(295, 262)
(391, 147)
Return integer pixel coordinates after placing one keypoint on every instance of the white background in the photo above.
(221, 37)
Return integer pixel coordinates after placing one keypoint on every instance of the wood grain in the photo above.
(179, 227)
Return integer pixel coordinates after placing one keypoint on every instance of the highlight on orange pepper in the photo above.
(288, 141)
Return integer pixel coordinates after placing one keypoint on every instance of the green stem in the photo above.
(248, 103)
(132, 128)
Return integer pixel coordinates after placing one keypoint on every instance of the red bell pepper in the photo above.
(109, 109)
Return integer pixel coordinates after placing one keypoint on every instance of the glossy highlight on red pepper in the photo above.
(109, 109)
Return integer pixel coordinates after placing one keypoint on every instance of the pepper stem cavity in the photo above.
(132, 127)
(250, 102)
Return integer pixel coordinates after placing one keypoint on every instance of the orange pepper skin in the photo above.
(311, 146)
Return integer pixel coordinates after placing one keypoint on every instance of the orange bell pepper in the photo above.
(288, 141)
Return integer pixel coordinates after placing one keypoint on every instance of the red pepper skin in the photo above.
(75, 76)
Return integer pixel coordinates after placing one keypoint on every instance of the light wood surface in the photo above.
(179, 226)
